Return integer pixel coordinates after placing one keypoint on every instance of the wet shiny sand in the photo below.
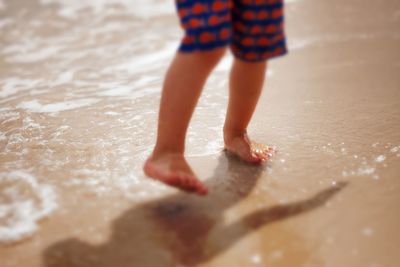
(79, 91)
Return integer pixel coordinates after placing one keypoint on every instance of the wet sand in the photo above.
(80, 86)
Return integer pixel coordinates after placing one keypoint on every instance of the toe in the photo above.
(266, 155)
(255, 158)
(263, 156)
(183, 182)
(194, 185)
(187, 183)
(201, 189)
(248, 156)
(190, 184)
(271, 149)
(266, 152)
(259, 153)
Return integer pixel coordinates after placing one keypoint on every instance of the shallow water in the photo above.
(79, 92)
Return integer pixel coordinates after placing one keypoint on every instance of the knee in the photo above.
(207, 58)
(213, 56)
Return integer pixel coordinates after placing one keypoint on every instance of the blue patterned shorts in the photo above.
(254, 29)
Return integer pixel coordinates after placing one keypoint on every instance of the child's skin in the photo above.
(181, 91)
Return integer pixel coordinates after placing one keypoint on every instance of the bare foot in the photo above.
(247, 150)
(173, 169)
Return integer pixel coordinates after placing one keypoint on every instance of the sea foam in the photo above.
(23, 202)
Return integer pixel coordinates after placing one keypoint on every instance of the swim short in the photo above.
(254, 29)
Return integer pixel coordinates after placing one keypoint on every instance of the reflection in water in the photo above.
(178, 228)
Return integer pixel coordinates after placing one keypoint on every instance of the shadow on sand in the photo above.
(182, 229)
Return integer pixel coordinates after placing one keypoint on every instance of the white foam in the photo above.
(64, 78)
(361, 171)
(291, 1)
(213, 147)
(143, 9)
(144, 92)
(380, 158)
(121, 90)
(152, 8)
(9, 116)
(112, 113)
(3, 136)
(25, 202)
(13, 85)
(28, 122)
(145, 80)
(36, 55)
(148, 61)
(35, 106)
(395, 149)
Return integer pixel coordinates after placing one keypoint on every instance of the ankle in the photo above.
(231, 133)
(161, 152)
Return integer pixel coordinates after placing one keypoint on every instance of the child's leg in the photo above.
(207, 33)
(182, 87)
(258, 36)
(246, 83)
